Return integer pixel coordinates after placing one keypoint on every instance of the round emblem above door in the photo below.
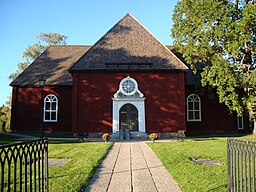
(128, 86)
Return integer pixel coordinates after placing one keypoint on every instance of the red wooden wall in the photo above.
(87, 105)
(164, 104)
(215, 117)
(26, 108)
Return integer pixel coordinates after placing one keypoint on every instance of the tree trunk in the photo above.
(254, 127)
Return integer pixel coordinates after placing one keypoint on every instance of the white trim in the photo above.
(53, 99)
(135, 93)
(120, 99)
(238, 119)
(138, 103)
(193, 110)
(125, 80)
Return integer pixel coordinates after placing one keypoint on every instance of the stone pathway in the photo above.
(131, 166)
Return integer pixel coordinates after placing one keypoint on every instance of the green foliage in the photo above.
(44, 40)
(5, 117)
(221, 33)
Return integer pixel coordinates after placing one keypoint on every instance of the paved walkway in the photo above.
(131, 166)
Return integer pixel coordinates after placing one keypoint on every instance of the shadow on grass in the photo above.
(220, 188)
(205, 135)
(63, 141)
(216, 136)
(47, 134)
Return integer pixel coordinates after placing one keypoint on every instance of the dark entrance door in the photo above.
(128, 116)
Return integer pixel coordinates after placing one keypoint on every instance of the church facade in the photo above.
(127, 80)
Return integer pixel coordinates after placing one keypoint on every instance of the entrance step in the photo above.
(128, 135)
(138, 135)
(115, 136)
(121, 135)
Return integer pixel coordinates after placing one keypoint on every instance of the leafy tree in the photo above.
(221, 33)
(44, 40)
(5, 117)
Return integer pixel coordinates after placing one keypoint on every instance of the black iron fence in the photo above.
(24, 166)
(241, 165)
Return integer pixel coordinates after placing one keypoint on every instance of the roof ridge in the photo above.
(70, 45)
(125, 23)
(159, 41)
(128, 14)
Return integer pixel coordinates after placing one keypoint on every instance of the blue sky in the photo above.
(83, 21)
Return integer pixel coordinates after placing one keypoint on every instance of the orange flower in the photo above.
(105, 136)
(153, 136)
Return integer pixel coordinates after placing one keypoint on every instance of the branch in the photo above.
(222, 46)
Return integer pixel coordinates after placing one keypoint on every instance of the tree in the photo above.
(221, 33)
(44, 40)
(5, 117)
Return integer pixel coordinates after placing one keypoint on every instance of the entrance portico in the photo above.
(128, 107)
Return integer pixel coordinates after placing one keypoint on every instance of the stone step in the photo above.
(128, 135)
(138, 135)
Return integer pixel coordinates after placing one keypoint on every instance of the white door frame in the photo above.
(138, 103)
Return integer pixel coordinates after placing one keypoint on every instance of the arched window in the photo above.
(193, 108)
(50, 108)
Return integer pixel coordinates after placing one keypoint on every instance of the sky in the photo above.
(83, 21)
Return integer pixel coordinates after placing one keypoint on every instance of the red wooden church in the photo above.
(128, 80)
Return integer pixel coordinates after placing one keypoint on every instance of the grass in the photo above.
(192, 176)
(84, 159)
(5, 139)
(47, 134)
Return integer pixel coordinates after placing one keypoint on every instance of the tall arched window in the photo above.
(193, 108)
(50, 108)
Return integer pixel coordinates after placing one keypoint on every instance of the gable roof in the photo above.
(53, 64)
(128, 45)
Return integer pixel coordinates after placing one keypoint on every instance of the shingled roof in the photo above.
(53, 64)
(128, 45)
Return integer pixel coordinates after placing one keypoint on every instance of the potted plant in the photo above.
(106, 137)
(153, 136)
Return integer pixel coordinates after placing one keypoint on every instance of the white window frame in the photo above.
(51, 98)
(193, 98)
(238, 119)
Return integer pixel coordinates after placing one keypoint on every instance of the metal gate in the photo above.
(24, 166)
(241, 165)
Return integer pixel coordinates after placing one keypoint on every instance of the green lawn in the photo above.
(83, 157)
(192, 176)
(46, 134)
(75, 174)
(5, 139)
